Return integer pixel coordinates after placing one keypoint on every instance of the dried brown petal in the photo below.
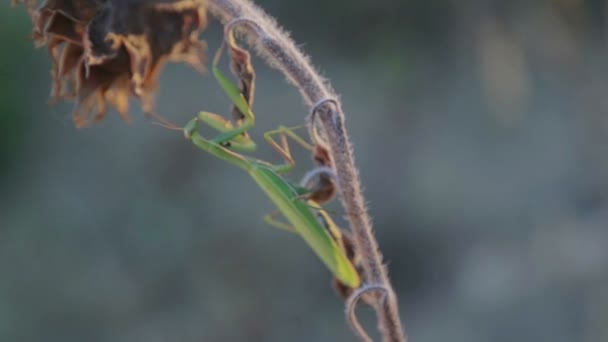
(66, 18)
(76, 10)
(94, 82)
(149, 49)
(105, 51)
(64, 28)
(30, 5)
(66, 59)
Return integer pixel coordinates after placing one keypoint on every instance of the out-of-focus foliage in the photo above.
(13, 97)
(481, 130)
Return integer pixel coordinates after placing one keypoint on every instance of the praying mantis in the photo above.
(305, 216)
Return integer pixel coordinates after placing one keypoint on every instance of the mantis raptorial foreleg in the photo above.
(319, 183)
(283, 147)
(239, 142)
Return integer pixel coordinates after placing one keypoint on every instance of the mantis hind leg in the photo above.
(319, 184)
(321, 215)
(271, 220)
(282, 147)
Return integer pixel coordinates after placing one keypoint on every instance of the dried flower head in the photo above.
(105, 51)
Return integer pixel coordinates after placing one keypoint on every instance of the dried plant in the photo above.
(108, 51)
(105, 51)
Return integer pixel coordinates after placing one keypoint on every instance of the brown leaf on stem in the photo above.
(107, 51)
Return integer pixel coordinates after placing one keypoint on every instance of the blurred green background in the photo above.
(481, 133)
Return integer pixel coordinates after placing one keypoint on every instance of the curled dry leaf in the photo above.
(105, 51)
(325, 186)
(326, 182)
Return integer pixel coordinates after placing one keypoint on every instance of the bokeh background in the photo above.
(481, 133)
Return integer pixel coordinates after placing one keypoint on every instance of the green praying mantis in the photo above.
(305, 216)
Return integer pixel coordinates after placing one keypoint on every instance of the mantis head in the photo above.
(190, 128)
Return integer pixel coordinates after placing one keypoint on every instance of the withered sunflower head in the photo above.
(105, 51)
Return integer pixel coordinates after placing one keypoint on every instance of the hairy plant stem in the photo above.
(275, 46)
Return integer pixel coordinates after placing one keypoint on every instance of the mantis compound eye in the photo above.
(190, 128)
